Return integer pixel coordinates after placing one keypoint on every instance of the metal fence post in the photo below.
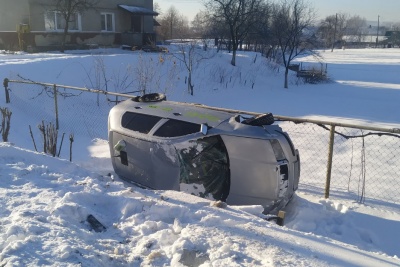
(330, 157)
(56, 105)
(5, 84)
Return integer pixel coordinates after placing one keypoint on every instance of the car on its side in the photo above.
(204, 151)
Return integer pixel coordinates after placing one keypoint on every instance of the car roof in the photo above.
(189, 112)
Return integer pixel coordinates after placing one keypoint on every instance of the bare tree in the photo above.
(50, 135)
(290, 24)
(238, 15)
(204, 28)
(217, 30)
(355, 28)
(331, 29)
(157, 8)
(200, 28)
(261, 36)
(170, 20)
(191, 56)
(395, 26)
(69, 10)
(173, 25)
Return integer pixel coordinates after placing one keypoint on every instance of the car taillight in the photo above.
(278, 151)
(289, 141)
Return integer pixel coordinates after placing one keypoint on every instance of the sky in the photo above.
(45, 201)
(388, 10)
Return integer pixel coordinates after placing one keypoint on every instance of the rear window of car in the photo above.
(139, 122)
(174, 128)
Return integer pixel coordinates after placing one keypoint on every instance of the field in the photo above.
(45, 200)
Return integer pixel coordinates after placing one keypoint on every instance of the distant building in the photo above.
(364, 40)
(392, 38)
(37, 25)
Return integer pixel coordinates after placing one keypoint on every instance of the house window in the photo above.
(55, 21)
(107, 22)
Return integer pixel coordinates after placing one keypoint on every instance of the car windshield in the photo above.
(204, 168)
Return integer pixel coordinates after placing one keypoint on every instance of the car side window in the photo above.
(139, 122)
(174, 128)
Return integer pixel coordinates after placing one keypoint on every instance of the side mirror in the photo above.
(204, 128)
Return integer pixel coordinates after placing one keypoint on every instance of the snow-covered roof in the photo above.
(364, 38)
(139, 10)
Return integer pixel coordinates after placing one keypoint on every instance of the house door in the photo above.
(137, 23)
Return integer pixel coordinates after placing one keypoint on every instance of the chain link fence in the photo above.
(364, 161)
(338, 161)
(75, 111)
(86, 109)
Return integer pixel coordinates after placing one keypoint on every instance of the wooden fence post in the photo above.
(56, 105)
(71, 140)
(5, 84)
(330, 157)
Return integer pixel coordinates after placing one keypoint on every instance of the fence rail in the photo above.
(338, 160)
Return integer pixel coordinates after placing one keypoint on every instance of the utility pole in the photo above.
(334, 34)
(377, 34)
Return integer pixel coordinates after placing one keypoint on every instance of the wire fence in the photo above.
(364, 162)
(351, 162)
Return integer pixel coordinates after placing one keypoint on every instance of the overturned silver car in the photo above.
(215, 154)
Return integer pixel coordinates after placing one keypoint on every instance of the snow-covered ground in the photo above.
(45, 201)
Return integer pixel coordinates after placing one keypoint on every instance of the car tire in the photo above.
(263, 119)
